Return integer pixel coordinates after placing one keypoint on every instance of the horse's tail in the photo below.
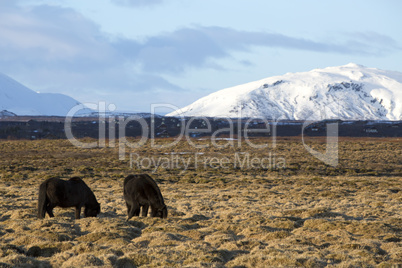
(42, 200)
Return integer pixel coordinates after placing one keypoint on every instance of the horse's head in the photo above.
(162, 213)
(92, 210)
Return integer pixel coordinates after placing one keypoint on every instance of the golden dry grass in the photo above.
(304, 214)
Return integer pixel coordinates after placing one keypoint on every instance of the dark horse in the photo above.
(55, 192)
(142, 191)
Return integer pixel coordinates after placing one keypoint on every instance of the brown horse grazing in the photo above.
(142, 191)
(55, 192)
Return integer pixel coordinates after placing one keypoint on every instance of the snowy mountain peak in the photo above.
(348, 92)
(17, 99)
(353, 65)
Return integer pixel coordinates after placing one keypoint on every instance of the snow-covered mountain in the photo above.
(349, 92)
(20, 100)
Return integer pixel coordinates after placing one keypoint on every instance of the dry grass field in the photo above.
(226, 209)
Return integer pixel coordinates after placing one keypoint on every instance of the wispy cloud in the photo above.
(372, 43)
(137, 3)
(173, 52)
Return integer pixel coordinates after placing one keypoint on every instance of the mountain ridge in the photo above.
(348, 92)
(20, 100)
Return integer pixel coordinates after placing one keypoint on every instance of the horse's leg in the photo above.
(134, 210)
(145, 210)
(49, 209)
(77, 212)
(128, 208)
(154, 211)
(137, 211)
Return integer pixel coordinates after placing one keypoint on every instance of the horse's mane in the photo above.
(76, 179)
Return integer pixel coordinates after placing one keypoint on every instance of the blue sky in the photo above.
(134, 53)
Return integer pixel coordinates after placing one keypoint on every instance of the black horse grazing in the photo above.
(142, 191)
(72, 193)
